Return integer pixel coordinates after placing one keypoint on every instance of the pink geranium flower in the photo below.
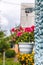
(28, 29)
(21, 28)
(12, 30)
(32, 27)
(19, 34)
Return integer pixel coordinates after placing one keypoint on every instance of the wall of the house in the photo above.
(27, 20)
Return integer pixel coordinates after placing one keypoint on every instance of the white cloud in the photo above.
(12, 13)
(20, 1)
(4, 21)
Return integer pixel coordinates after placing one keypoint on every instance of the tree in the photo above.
(4, 45)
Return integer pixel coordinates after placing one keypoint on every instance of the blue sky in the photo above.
(10, 13)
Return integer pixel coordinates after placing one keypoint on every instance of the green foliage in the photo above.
(9, 61)
(4, 45)
(12, 63)
(25, 37)
(10, 53)
(0, 55)
(2, 34)
(8, 38)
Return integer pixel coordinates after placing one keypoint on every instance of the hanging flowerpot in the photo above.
(25, 47)
(24, 38)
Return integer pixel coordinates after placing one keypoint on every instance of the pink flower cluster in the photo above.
(19, 34)
(29, 29)
(21, 30)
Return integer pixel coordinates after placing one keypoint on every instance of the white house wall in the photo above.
(27, 20)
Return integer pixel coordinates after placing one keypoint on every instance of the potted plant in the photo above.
(24, 37)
